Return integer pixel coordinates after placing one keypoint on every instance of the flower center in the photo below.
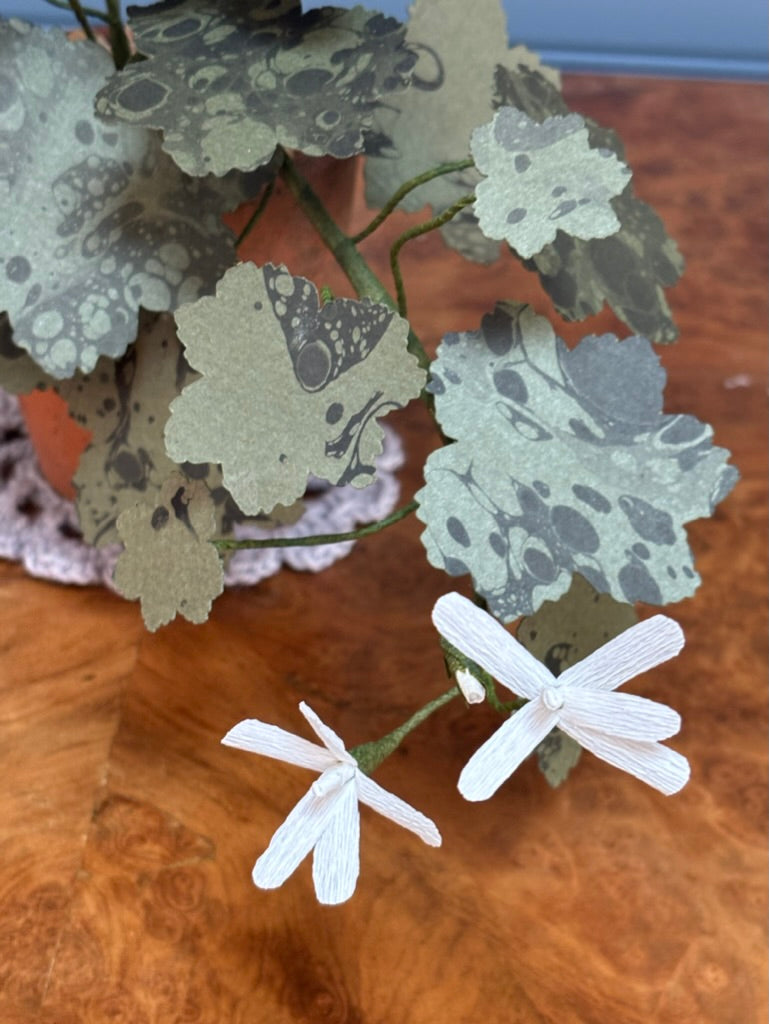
(332, 780)
(552, 697)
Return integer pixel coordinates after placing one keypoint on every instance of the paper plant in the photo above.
(219, 396)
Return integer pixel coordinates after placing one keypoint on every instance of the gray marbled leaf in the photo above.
(629, 270)
(94, 220)
(564, 463)
(542, 178)
(228, 81)
(557, 754)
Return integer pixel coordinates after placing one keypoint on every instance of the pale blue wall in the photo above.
(699, 37)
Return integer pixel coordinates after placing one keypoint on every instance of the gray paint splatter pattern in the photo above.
(564, 463)
(227, 82)
(116, 224)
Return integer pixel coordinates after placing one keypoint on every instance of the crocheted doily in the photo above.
(40, 529)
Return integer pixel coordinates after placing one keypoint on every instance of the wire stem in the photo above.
(403, 191)
(81, 14)
(415, 232)
(258, 211)
(229, 544)
(370, 755)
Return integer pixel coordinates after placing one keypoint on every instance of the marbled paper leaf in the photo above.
(227, 81)
(451, 92)
(287, 388)
(19, 373)
(560, 634)
(94, 220)
(630, 269)
(168, 563)
(541, 178)
(124, 403)
(564, 463)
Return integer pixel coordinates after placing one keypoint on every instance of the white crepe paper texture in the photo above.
(622, 729)
(326, 820)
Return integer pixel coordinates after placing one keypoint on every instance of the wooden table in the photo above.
(127, 833)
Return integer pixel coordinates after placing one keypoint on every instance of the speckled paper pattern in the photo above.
(168, 563)
(564, 463)
(288, 388)
(228, 81)
(542, 178)
(94, 219)
(631, 268)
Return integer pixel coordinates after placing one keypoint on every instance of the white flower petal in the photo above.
(294, 839)
(471, 688)
(327, 735)
(658, 766)
(639, 648)
(501, 754)
(272, 741)
(336, 859)
(620, 714)
(479, 636)
(397, 810)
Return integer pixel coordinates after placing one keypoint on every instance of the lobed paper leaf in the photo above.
(541, 178)
(561, 633)
(451, 92)
(226, 82)
(287, 388)
(124, 403)
(630, 269)
(168, 562)
(115, 226)
(564, 463)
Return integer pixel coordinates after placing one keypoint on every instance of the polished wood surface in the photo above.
(127, 833)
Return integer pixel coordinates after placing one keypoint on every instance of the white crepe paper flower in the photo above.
(326, 820)
(620, 728)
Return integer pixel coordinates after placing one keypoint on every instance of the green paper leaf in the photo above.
(168, 563)
(287, 388)
(124, 403)
(94, 220)
(226, 82)
(630, 269)
(451, 92)
(542, 178)
(564, 463)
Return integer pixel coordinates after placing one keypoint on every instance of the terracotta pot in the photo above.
(58, 441)
(282, 235)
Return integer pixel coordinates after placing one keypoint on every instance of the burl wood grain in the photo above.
(127, 833)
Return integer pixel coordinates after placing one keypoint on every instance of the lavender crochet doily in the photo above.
(40, 529)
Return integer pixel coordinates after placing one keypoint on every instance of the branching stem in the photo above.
(415, 232)
(403, 191)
